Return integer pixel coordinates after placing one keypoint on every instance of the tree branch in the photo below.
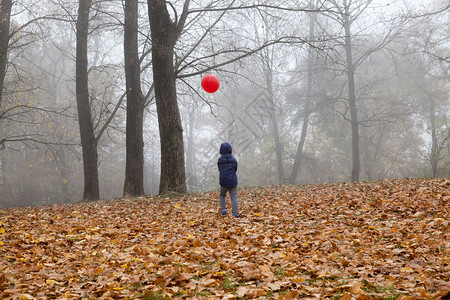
(283, 40)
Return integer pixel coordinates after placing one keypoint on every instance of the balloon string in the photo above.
(218, 115)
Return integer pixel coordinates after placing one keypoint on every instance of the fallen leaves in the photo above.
(385, 239)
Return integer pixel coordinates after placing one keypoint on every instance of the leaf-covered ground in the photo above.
(368, 240)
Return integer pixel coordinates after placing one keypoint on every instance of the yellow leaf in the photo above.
(99, 270)
(1, 243)
(256, 214)
(177, 205)
(124, 266)
(50, 281)
(118, 288)
(2, 230)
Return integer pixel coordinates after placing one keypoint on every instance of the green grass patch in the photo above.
(204, 293)
(229, 284)
(390, 290)
(155, 296)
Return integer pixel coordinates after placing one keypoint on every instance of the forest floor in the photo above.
(368, 240)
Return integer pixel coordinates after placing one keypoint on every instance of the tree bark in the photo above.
(134, 166)
(88, 141)
(5, 18)
(164, 35)
(5, 15)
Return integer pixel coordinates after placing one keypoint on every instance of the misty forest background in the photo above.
(310, 92)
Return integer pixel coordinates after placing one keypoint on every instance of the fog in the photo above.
(287, 73)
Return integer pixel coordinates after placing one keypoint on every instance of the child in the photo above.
(228, 179)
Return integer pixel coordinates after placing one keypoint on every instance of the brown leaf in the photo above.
(346, 296)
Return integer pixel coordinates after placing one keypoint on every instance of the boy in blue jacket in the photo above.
(228, 179)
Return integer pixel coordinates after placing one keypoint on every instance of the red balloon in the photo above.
(210, 83)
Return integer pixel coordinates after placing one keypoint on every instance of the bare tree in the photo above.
(134, 168)
(165, 33)
(309, 94)
(273, 119)
(346, 13)
(350, 69)
(433, 36)
(266, 59)
(88, 140)
(5, 14)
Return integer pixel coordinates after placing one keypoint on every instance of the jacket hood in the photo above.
(225, 148)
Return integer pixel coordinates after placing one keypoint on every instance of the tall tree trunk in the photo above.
(5, 15)
(434, 138)
(274, 121)
(164, 35)
(88, 141)
(352, 97)
(134, 166)
(367, 164)
(65, 174)
(190, 148)
(301, 143)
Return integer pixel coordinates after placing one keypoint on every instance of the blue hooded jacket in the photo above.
(227, 167)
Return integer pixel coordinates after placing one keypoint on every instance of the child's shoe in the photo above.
(236, 215)
(224, 212)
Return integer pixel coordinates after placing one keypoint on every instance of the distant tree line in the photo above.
(103, 99)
